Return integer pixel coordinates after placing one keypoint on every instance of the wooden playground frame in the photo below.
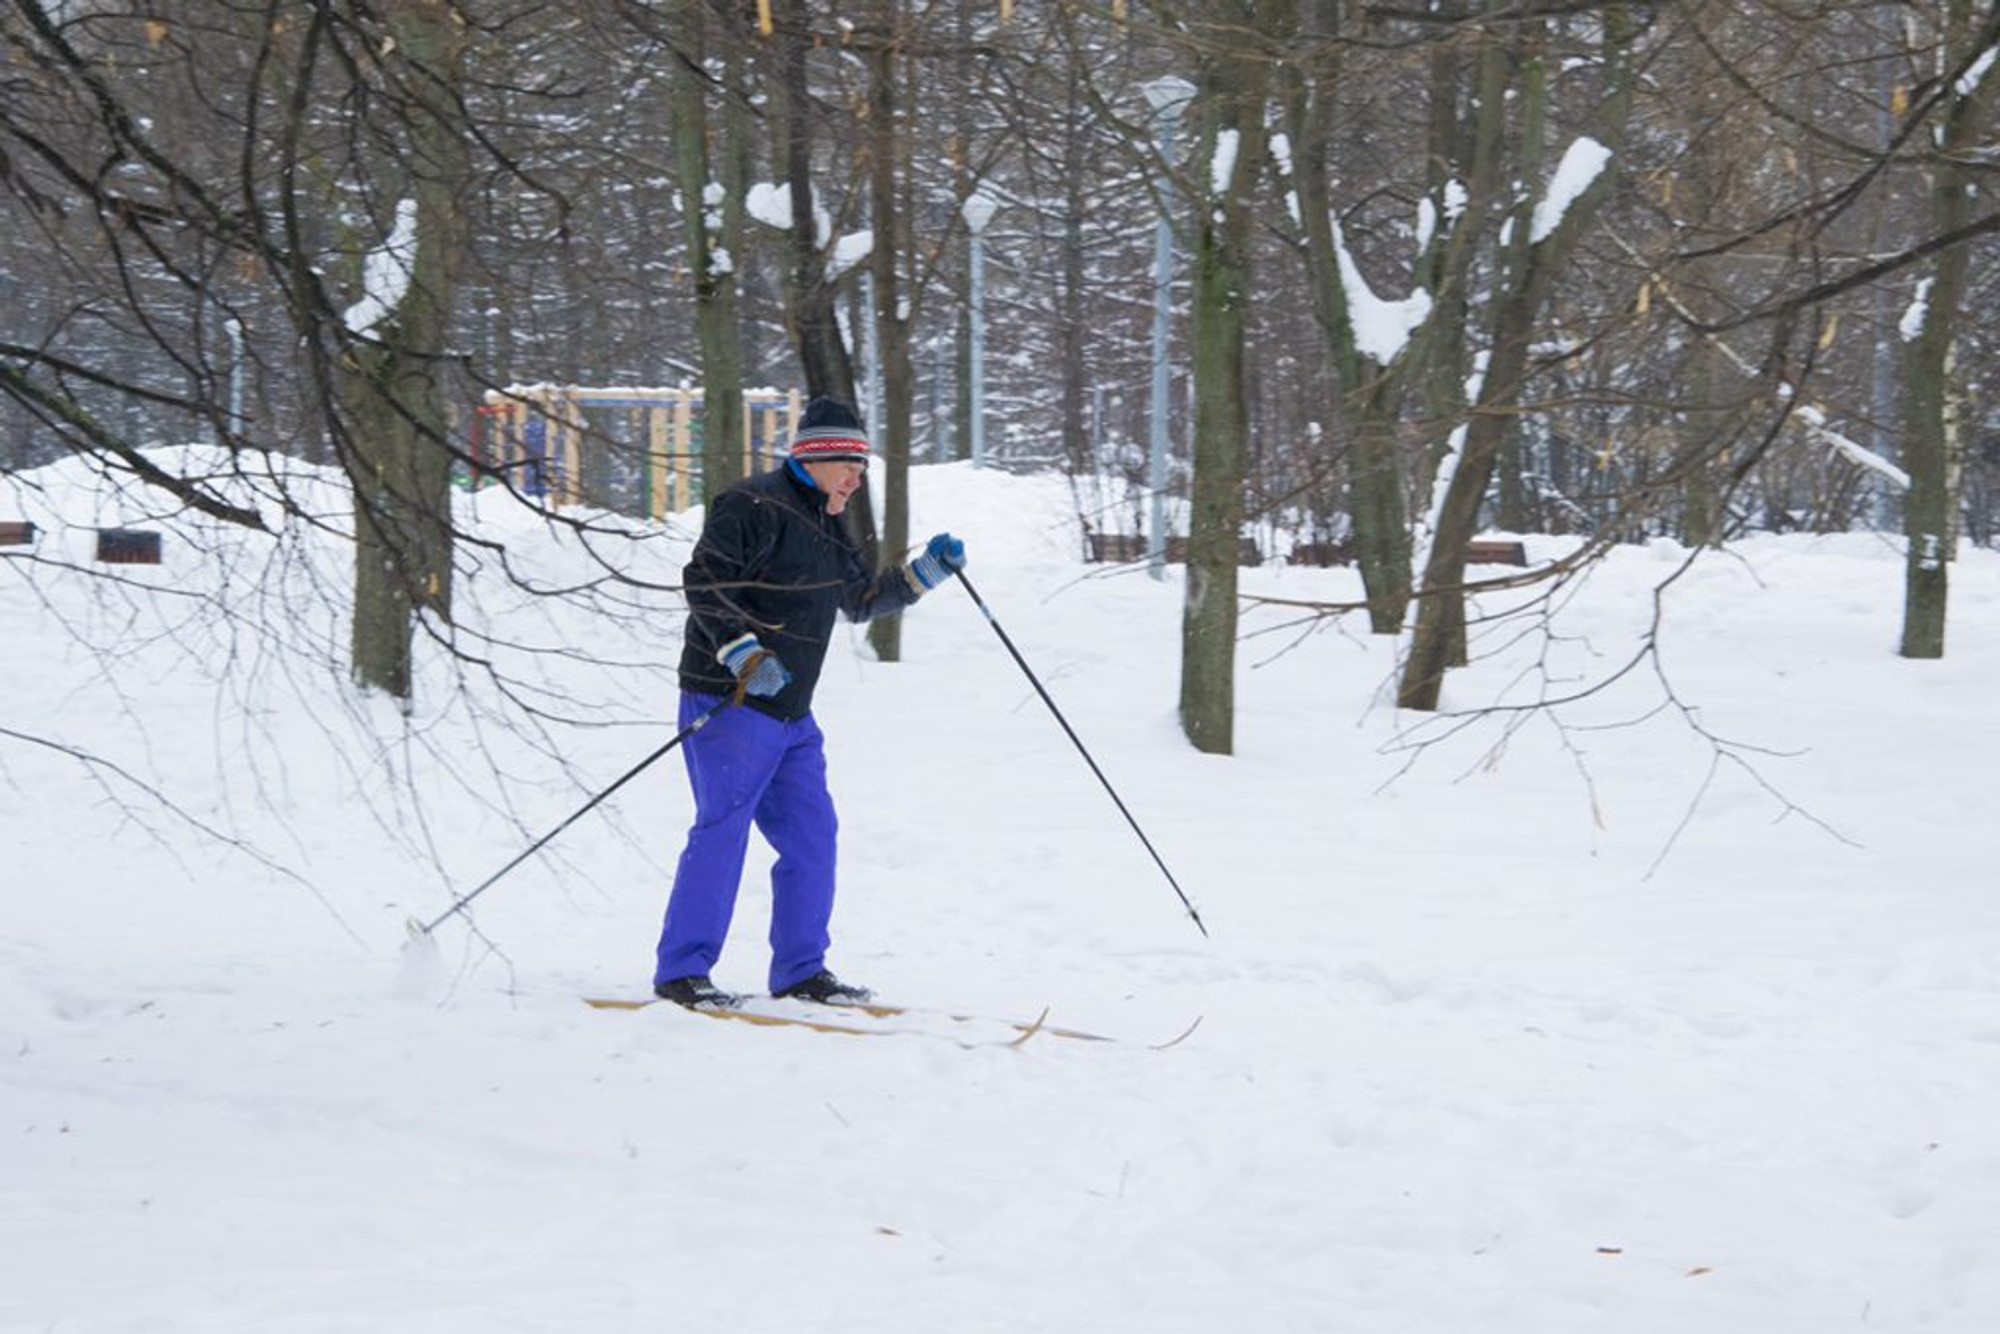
(541, 435)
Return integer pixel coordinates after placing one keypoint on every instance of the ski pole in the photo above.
(1081, 749)
(630, 774)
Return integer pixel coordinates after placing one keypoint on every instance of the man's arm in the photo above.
(897, 587)
(725, 563)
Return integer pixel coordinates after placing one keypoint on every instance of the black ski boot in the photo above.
(697, 993)
(826, 989)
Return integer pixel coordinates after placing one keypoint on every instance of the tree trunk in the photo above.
(1073, 324)
(400, 450)
(1371, 393)
(714, 248)
(1439, 640)
(1702, 428)
(1528, 270)
(1235, 90)
(958, 433)
(1442, 360)
(1510, 501)
(1932, 444)
(1467, 129)
(739, 150)
(1703, 520)
(810, 300)
(892, 323)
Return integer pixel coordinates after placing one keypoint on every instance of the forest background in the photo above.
(1350, 281)
(1637, 974)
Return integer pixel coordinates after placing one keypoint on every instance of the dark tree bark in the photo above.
(1528, 270)
(400, 458)
(811, 302)
(1231, 104)
(712, 216)
(1933, 448)
(1371, 391)
(886, 161)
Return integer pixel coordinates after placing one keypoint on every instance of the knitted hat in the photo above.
(830, 431)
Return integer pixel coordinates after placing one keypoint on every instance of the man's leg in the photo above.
(730, 762)
(796, 816)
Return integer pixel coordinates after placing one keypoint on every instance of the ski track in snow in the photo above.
(1468, 1058)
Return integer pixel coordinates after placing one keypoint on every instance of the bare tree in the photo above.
(394, 378)
(712, 215)
(1693, 347)
(1968, 90)
(889, 77)
(1231, 103)
(1545, 227)
(811, 291)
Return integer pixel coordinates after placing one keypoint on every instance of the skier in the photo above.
(772, 569)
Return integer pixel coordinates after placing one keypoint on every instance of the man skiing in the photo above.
(772, 571)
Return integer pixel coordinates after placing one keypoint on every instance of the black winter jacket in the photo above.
(772, 562)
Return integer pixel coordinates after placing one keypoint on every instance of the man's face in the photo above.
(839, 478)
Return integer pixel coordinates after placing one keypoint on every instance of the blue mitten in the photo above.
(943, 557)
(757, 670)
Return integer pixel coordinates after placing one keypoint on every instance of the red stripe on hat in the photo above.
(839, 444)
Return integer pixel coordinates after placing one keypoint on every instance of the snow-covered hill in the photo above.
(1678, 1010)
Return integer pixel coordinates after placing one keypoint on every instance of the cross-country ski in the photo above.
(880, 1019)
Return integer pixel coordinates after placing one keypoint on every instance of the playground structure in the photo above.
(635, 451)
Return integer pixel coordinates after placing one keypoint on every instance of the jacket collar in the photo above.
(802, 481)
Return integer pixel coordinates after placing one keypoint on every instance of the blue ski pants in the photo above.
(748, 768)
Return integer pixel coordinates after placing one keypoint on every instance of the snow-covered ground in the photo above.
(1678, 1011)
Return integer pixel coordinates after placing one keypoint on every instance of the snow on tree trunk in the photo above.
(1536, 243)
(400, 457)
(887, 158)
(1235, 89)
(712, 216)
(1932, 447)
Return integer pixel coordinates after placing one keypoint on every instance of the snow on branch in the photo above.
(1847, 446)
(1911, 327)
(849, 251)
(770, 203)
(385, 272)
(1968, 82)
(1814, 418)
(1381, 328)
(1580, 166)
(1222, 166)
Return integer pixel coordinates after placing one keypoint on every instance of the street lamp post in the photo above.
(871, 352)
(234, 328)
(978, 210)
(1167, 96)
(229, 417)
